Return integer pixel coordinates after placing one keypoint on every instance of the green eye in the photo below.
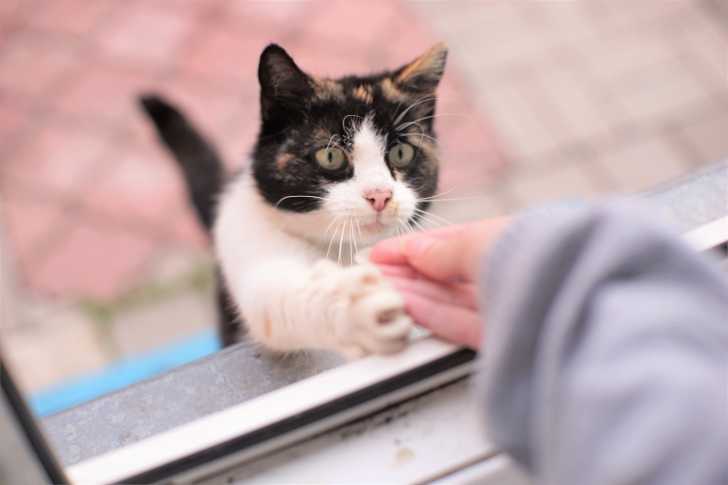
(331, 158)
(401, 155)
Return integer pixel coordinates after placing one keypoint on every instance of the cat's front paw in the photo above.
(374, 320)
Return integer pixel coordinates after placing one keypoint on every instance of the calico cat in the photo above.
(338, 165)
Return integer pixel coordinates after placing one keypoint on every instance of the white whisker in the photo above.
(433, 216)
(416, 103)
(341, 241)
(432, 117)
(331, 241)
(298, 197)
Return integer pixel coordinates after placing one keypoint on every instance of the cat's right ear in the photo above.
(283, 84)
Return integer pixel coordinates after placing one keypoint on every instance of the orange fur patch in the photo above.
(392, 92)
(364, 93)
(432, 60)
(327, 89)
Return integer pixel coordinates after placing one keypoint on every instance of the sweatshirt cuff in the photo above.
(512, 243)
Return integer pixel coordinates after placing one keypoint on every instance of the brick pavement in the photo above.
(541, 100)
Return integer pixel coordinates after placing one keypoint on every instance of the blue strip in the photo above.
(123, 373)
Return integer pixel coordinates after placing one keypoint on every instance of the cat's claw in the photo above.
(374, 321)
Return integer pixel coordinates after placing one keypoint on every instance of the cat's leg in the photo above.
(352, 310)
(291, 299)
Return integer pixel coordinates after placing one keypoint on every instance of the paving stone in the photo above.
(142, 186)
(522, 132)
(76, 17)
(615, 58)
(29, 226)
(565, 99)
(281, 12)
(660, 91)
(156, 324)
(59, 157)
(569, 180)
(187, 230)
(458, 207)
(61, 346)
(623, 16)
(12, 10)
(14, 121)
(31, 65)
(324, 58)
(348, 24)
(214, 108)
(643, 164)
(92, 263)
(8, 287)
(707, 137)
(175, 262)
(705, 46)
(117, 83)
(565, 22)
(229, 50)
(144, 32)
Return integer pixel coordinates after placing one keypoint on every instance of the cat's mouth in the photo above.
(376, 226)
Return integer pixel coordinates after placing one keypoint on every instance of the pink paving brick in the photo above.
(90, 262)
(106, 92)
(187, 230)
(392, 48)
(212, 107)
(31, 65)
(13, 120)
(469, 152)
(76, 17)
(139, 186)
(326, 59)
(228, 49)
(30, 224)
(348, 24)
(58, 158)
(11, 10)
(280, 12)
(236, 142)
(145, 32)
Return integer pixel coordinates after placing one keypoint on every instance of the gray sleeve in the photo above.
(605, 353)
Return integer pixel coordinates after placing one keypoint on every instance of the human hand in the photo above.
(436, 271)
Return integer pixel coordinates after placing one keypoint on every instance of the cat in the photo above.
(338, 165)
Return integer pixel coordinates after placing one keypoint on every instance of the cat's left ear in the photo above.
(424, 73)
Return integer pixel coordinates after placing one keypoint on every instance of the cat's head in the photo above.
(356, 154)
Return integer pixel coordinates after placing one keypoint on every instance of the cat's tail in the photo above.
(202, 167)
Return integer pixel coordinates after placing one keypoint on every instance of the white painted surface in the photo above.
(709, 235)
(498, 470)
(418, 441)
(255, 414)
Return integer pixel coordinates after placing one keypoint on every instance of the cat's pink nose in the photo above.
(378, 198)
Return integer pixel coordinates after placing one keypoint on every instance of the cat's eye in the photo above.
(331, 158)
(401, 155)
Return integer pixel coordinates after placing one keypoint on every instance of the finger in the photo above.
(463, 295)
(448, 254)
(455, 324)
(398, 271)
(392, 251)
(443, 259)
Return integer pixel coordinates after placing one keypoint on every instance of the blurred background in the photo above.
(542, 100)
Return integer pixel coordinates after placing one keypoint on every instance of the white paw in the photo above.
(373, 320)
